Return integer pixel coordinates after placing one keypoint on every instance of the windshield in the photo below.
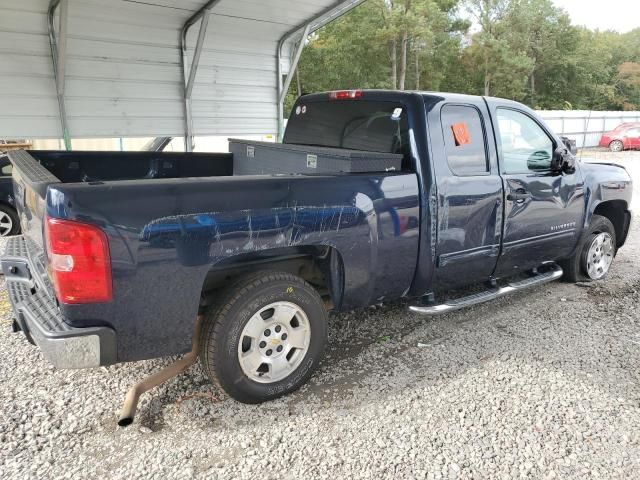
(350, 124)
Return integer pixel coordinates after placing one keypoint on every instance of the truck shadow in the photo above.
(386, 351)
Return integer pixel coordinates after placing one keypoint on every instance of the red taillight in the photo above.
(345, 94)
(79, 261)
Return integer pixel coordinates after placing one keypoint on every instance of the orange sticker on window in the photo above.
(461, 133)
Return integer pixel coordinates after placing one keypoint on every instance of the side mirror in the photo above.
(539, 161)
(570, 144)
(563, 161)
(569, 165)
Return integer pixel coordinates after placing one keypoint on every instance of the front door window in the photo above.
(524, 145)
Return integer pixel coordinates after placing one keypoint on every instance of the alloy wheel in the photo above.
(616, 146)
(6, 224)
(599, 256)
(274, 342)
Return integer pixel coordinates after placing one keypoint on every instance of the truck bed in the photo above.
(79, 166)
(91, 167)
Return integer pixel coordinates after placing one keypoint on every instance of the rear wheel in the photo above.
(616, 146)
(265, 337)
(9, 223)
(595, 252)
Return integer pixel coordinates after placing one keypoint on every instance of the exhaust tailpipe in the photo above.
(130, 405)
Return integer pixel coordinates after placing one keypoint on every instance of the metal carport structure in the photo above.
(123, 68)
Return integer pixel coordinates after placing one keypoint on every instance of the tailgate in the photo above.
(30, 182)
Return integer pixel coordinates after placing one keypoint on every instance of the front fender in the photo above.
(605, 182)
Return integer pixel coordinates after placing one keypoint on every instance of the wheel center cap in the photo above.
(273, 341)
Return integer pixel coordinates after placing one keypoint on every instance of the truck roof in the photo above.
(386, 94)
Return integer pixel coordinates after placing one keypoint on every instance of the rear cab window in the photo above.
(464, 139)
(374, 126)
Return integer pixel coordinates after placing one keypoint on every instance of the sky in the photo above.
(619, 15)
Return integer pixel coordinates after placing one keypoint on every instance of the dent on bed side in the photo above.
(209, 237)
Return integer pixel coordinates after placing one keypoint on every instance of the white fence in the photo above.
(584, 126)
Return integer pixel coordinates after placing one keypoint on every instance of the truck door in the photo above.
(543, 209)
(469, 190)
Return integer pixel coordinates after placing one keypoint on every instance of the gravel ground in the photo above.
(543, 384)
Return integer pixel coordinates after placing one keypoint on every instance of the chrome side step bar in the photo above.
(554, 273)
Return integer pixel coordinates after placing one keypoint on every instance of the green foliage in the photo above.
(347, 53)
(629, 85)
(526, 50)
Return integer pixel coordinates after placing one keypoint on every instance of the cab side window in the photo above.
(464, 140)
(524, 146)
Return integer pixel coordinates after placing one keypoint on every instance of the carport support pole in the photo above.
(59, 57)
(333, 12)
(189, 72)
(283, 89)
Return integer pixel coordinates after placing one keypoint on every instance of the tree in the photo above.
(437, 50)
(629, 85)
(488, 47)
(593, 67)
(526, 50)
(345, 54)
(406, 27)
(538, 29)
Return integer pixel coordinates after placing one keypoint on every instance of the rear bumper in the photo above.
(39, 318)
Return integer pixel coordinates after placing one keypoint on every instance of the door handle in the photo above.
(518, 196)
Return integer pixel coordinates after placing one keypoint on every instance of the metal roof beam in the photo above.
(189, 71)
(333, 13)
(59, 58)
(294, 63)
(305, 28)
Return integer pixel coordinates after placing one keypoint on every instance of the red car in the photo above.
(625, 136)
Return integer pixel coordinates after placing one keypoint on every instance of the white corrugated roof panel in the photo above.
(123, 74)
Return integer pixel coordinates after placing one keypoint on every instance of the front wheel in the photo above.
(265, 336)
(595, 252)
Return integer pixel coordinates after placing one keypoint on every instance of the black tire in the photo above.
(225, 321)
(575, 268)
(15, 221)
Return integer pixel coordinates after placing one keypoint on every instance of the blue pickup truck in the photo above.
(132, 255)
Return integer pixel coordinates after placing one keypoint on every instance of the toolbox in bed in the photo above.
(259, 158)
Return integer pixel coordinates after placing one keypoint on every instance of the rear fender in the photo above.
(342, 235)
(321, 266)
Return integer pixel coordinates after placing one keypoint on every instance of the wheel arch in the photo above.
(5, 203)
(617, 213)
(321, 266)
